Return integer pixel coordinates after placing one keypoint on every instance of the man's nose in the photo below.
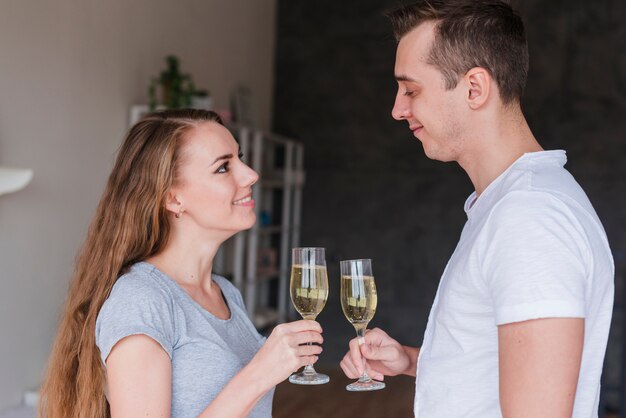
(400, 109)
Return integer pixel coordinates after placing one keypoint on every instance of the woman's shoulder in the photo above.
(140, 281)
(139, 303)
(139, 290)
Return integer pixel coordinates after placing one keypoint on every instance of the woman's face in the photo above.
(214, 187)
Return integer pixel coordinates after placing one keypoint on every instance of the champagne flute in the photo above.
(358, 301)
(309, 291)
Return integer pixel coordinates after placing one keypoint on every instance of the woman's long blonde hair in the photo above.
(130, 224)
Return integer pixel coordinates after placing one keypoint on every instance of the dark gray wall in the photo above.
(370, 190)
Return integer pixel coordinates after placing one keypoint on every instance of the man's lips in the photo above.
(415, 129)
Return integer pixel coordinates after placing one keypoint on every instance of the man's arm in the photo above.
(539, 363)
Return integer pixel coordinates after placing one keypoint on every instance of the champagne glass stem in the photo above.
(360, 332)
(308, 369)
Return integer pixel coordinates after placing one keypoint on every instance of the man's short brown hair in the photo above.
(468, 34)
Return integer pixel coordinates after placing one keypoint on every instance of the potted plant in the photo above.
(177, 89)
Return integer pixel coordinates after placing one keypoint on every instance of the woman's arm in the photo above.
(139, 378)
(139, 373)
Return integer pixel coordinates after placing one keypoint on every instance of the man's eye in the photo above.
(223, 168)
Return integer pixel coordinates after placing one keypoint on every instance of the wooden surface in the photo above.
(333, 400)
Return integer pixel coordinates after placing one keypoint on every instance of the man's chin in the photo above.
(434, 155)
(429, 152)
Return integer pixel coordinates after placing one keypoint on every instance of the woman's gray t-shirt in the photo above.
(206, 352)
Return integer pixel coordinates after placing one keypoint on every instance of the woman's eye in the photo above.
(223, 168)
(409, 93)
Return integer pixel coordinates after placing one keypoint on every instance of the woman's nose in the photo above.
(248, 176)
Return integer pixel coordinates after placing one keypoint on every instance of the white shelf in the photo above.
(279, 162)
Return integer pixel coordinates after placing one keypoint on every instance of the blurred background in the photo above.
(319, 72)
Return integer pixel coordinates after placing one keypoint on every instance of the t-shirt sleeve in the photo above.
(535, 259)
(136, 306)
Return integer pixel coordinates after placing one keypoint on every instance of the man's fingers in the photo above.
(374, 374)
(348, 368)
(355, 355)
(351, 371)
(373, 352)
(376, 336)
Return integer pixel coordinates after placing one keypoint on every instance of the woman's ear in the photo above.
(478, 81)
(173, 203)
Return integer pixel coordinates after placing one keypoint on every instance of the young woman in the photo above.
(147, 329)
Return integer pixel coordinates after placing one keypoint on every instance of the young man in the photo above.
(520, 322)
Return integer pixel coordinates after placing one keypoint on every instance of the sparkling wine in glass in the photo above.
(358, 301)
(309, 291)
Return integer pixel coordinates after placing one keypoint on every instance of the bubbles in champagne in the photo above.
(358, 298)
(309, 289)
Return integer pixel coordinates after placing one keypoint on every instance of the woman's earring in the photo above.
(178, 215)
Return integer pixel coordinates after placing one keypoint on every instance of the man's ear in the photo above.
(173, 203)
(478, 82)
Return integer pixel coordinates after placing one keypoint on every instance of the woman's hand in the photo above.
(285, 350)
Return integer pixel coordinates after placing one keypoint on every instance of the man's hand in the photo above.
(384, 355)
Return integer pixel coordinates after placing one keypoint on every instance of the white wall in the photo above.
(69, 70)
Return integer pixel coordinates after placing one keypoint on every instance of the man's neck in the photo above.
(498, 143)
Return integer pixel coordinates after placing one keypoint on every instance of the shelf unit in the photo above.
(278, 195)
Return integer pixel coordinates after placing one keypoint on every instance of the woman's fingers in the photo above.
(308, 350)
(305, 360)
(292, 339)
(306, 337)
(298, 326)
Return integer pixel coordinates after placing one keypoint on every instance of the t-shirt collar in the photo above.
(556, 156)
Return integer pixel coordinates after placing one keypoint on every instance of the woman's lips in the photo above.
(246, 201)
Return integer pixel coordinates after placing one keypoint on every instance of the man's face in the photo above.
(435, 115)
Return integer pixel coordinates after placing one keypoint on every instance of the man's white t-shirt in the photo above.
(533, 247)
